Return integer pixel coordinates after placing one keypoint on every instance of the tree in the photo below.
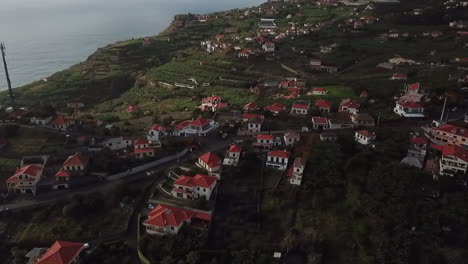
(193, 257)
(290, 240)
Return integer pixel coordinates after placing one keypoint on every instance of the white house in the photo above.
(296, 171)
(300, 107)
(409, 109)
(61, 252)
(232, 156)
(278, 159)
(268, 46)
(143, 149)
(198, 186)
(117, 143)
(199, 126)
(319, 91)
(40, 121)
(167, 220)
(320, 122)
(364, 137)
(348, 105)
(264, 141)
(61, 123)
(454, 160)
(154, 133)
(25, 179)
(362, 119)
(291, 138)
(211, 163)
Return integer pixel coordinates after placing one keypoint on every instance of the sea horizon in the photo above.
(44, 37)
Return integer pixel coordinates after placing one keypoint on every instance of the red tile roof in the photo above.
(399, 76)
(198, 180)
(456, 151)
(349, 103)
(452, 129)
(279, 154)
(364, 93)
(182, 125)
(157, 128)
(77, 159)
(412, 105)
(60, 120)
(323, 103)
(141, 141)
(252, 116)
(199, 122)
(319, 120)
(319, 89)
(250, 106)
(62, 173)
(211, 99)
(419, 140)
(165, 215)
(277, 107)
(211, 160)
(413, 86)
(265, 137)
(61, 252)
(143, 150)
(235, 148)
(132, 108)
(32, 171)
(365, 133)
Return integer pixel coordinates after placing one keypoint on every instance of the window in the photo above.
(172, 228)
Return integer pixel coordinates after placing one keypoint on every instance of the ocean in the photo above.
(46, 36)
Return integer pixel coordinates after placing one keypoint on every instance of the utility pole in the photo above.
(2, 49)
(378, 119)
(443, 110)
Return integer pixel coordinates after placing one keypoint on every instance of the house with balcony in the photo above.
(450, 134)
(277, 159)
(454, 160)
(197, 127)
(296, 171)
(196, 187)
(142, 149)
(25, 179)
(74, 165)
(364, 137)
(409, 109)
(232, 155)
(168, 220)
(119, 143)
(211, 163)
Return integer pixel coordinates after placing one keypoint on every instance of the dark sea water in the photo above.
(46, 36)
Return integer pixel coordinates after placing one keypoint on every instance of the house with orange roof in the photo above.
(25, 179)
(264, 141)
(196, 187)
(324, 106)
(61, 252)
(167, 220)
(76, 164)
(349, 105)
(450, 134)
(232, 155)
(277, 159)
(296, 171)
(319, 122)
(319, 91)
(211, 163)
(142, 149)
(409, 109)
(154, 133)
(364, 137)
(197, 127)
(300, 107)
(61, 123)
(250, 106)
(276, 108)
(454, 160)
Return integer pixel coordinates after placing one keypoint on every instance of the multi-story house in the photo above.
(167, 220)
(198, 186)
(409, 109)
(296, 171)
(278, 159)
(451, 135)
(232, 155)
(211, 163)
(291, 138)
(61, 252)
(199, 126)
(454, 160)
(25, 179)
